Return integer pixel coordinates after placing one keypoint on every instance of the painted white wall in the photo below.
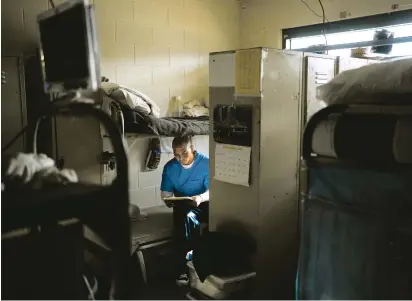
(262, 21)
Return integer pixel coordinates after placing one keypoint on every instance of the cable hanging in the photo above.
(323, 16)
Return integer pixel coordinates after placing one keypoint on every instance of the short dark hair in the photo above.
(180, 141)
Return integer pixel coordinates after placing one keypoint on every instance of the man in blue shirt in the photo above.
(187, 175)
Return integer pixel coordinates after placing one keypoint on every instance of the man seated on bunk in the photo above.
(187, 175)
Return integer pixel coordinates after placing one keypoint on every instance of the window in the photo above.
(352, 31)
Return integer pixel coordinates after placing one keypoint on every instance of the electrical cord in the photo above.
(307, 5)
(323, 16)
(36, 130)
(34, 124)
(323, 12)
(323, 21)
(52, 3)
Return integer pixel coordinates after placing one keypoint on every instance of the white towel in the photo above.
(195, 109)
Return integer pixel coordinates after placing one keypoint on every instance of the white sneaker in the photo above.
(182, 280)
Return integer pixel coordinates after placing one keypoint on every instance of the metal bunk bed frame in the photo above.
(26, 209)
(312, 161)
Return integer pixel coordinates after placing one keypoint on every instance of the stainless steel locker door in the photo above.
(320, 70)
(79, 146)
(13, 108)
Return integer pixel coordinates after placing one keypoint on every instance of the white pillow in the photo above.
(365, 83)
(131, 98)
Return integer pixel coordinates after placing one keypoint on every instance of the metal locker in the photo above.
(267, 83)
(13, 105)
(320, 70)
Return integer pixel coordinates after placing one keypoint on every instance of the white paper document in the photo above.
(232, 164)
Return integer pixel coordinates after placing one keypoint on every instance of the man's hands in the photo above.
(197, 200)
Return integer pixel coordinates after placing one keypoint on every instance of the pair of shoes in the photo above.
(182, 280)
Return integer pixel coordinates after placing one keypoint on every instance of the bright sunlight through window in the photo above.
(400, 31)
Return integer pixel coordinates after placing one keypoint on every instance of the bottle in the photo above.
(177, 106)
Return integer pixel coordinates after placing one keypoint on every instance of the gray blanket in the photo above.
(168, 126)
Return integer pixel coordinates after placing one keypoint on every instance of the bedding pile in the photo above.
(37, 171)
(384, 82)
(195, 108)
(140, 114)
(130, 98)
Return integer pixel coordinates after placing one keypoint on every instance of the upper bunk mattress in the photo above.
(167, 126)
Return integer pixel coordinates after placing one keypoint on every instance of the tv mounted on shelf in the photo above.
(68, 48)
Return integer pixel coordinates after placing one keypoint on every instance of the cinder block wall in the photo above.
(159, 47)
(262, 21)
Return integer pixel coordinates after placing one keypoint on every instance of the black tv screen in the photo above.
(68, 45)
(64, 43)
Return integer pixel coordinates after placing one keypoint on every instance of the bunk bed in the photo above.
(139, 118)
(356, 206)
(155, 230)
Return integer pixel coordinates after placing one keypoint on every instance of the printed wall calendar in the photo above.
(232, 164)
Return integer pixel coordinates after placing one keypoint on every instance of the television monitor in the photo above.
(68, 48)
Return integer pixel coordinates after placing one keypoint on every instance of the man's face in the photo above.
(183, 154)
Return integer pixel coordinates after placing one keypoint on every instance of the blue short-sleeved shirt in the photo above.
(186, 182)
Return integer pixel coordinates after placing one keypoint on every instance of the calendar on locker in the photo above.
(232, 164)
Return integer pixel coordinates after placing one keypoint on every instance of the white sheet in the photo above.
(323, 143)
